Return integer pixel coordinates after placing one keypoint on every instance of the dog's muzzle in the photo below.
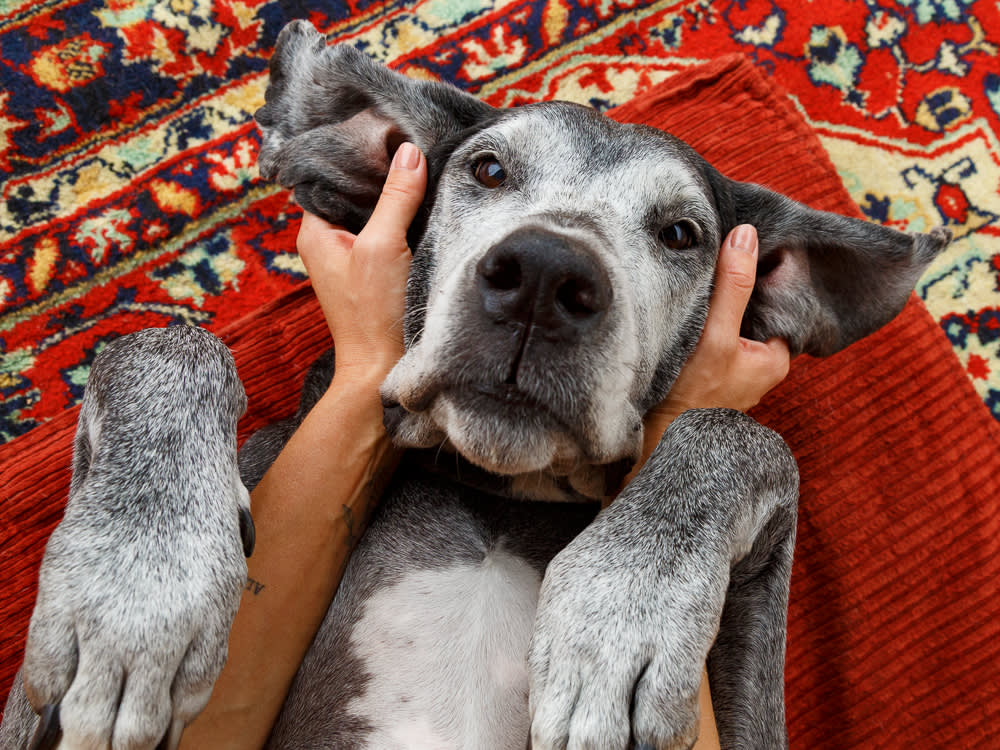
(518, 382)
(544, 283)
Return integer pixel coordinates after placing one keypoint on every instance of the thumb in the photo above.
(734, 281)
(401, 197)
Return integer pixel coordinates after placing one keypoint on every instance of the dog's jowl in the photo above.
(561, 275)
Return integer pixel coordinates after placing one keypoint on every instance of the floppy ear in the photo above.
(333, 119)
(823, 280)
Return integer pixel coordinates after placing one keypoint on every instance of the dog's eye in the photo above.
(489, 173)
(677, 236)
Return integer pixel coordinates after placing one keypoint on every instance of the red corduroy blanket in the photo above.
(893, 629)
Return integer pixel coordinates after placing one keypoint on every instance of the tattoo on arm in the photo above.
(370, 495)
(254, 587)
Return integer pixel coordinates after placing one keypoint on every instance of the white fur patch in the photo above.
(447, 654)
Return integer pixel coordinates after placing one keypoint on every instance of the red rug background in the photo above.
(893, 637)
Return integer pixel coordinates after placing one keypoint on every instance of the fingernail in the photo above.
(407, 157)
(744, 238)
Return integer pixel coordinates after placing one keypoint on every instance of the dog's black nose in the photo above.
(540, 278)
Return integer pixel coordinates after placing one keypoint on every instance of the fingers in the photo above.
(725, 370)
(735, 274)
(400, 199)
(361, 281)
(764, 362)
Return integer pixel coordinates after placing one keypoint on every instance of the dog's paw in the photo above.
(618, 651)
(130, 630)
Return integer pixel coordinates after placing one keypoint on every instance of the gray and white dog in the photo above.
(561, 275)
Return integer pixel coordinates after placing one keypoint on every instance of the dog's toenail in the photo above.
(49, 731)
(247, 531)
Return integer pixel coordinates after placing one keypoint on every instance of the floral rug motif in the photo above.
(129, 195)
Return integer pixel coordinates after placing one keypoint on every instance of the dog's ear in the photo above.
(333, 119)
(823, 280)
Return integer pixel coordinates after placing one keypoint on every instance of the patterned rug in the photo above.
(894, 616)
(130, 195)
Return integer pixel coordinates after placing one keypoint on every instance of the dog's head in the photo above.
(563, 262)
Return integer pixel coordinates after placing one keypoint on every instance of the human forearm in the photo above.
(309, 510)
(314, 502)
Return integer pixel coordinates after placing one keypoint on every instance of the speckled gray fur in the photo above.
(141, 579)
(475, 612)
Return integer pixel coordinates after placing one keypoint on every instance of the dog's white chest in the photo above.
(446, 651)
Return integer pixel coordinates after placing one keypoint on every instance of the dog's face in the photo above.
(564, 262)
(563, 276)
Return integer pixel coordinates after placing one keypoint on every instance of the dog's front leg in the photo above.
(141, 580)
(629, 610)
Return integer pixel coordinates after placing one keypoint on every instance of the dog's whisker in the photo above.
(440, 448)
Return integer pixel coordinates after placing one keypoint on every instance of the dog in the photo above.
(561, 275)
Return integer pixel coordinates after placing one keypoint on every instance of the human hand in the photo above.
(725, 369)
(360, 280)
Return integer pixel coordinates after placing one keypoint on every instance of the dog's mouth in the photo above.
(506, 430)
(514, 401)
(500, 427)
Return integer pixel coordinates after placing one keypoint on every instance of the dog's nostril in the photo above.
(536, 280)
(578, 298)
(502, 273)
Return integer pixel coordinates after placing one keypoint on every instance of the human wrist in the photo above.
(362, 377)
(353, 399)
